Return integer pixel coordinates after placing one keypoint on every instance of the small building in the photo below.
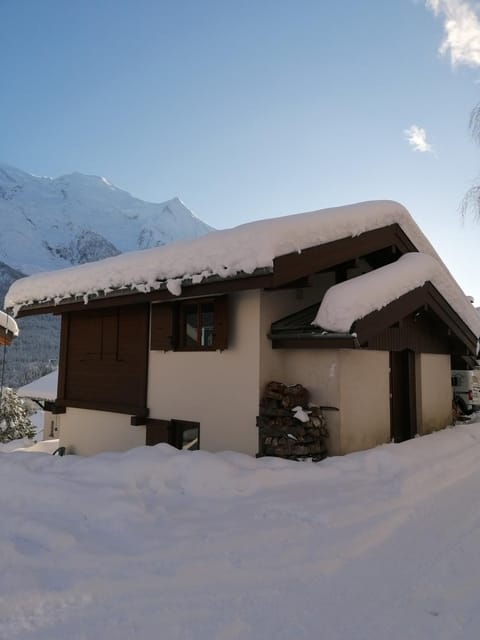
(43, 391)
(177, 343)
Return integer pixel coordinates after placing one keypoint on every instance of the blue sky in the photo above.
(254, 108)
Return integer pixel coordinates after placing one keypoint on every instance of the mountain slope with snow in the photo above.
(49, 223)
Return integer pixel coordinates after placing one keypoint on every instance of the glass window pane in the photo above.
(207, 324)
(190, 439)
(190, 325)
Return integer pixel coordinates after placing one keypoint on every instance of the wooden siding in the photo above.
(422, 334)
(163, 327)
(104, 356)
(330, 254)
(447, 328)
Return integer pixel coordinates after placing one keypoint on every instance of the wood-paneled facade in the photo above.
(103, 359)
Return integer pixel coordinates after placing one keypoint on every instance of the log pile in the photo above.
(289, 427)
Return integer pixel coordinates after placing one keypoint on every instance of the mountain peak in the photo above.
(56, 222)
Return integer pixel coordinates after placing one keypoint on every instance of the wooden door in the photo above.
(403, 415)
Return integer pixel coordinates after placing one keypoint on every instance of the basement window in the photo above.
(182, 434)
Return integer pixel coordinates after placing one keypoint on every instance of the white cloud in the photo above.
(462, 31)
(417, 138)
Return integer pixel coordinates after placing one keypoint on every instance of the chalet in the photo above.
(177, 343)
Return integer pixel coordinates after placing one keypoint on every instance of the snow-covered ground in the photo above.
(156, 543)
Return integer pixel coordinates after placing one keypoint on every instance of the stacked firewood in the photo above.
(290, 427)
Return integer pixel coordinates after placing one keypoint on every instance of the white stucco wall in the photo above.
(220, 390)
(51, 425)
(275, 305)
(364, 399)
(354, 381)
(86, 432)
(317, 370)
(434, 392)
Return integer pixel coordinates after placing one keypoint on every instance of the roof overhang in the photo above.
(215, 285)
(288, 270)
(293, 266)
(296, 330)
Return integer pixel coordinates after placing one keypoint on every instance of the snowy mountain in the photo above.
(49, 223)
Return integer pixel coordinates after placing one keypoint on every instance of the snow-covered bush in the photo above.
(14, 420)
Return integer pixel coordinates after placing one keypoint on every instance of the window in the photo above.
(197, 326)
(191, 325)
(181, 434)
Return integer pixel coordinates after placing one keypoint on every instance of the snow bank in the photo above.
(156, 542)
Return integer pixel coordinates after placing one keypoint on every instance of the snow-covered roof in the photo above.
(253, 246)
(354, 299)
(8, 323)
(44, 388)
(225, 253)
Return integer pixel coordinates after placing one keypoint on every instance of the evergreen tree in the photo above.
(14, 420)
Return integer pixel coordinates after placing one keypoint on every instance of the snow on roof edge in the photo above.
(224, 253)
(44, 388)
(355, 298)
(8, 323)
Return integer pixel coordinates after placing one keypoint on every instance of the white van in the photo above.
(466, 385)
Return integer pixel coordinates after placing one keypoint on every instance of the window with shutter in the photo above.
(190, 325)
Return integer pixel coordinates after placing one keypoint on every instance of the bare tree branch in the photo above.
(474, 123)
(471, 203)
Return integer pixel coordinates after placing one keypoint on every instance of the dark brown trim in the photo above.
(314, 343)
(101, 406)
(139, 420)
(176, 432)
(157, 431)
(403, 406)
(426, 296)
(297, 265)
(208, 288)
(63, 356)
(56, 409)
(286, 270)
(168, 431)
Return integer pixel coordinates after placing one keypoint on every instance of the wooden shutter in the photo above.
(104, 359)
(220, 338)
(157, 431)
(163, 327)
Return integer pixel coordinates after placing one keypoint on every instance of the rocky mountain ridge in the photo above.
(52, 223)
(49, 223)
